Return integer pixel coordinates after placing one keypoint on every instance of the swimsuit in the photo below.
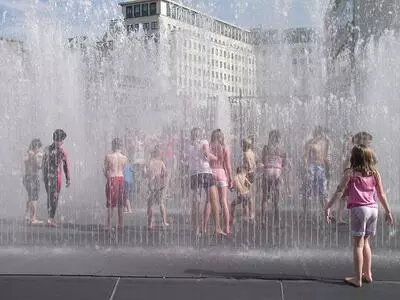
(115, 192)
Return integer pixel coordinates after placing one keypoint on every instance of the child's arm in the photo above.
(228, 166)
(383, 199)
(338, 194)
(105, 169)
(208, 154)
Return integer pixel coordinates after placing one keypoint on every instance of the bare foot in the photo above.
(353, 282)
(367, 278)
(220, 232)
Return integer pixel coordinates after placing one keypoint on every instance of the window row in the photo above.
(194, 18)
(145, 26)
(141, 10)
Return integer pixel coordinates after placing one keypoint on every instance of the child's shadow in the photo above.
(259, 276)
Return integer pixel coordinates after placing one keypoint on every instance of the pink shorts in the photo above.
(220, 178)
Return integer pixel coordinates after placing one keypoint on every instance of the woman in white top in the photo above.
(201, 177)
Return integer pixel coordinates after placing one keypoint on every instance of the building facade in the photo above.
(202, 56)
(287, 63)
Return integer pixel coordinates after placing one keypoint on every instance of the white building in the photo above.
(203, 57)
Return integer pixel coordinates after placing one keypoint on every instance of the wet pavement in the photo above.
(178, 273)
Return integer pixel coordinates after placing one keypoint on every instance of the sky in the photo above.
(85, 15)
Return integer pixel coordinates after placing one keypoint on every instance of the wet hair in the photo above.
(363, 138)
(362, 160)
(217, 137)
(116, 144)
(272, 148)
(246, 144)
(240, 169)
(59, 135)
(318, 131)
(156, 152)
(195, 134)
(35, 144)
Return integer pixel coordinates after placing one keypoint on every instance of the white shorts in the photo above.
(364, 220)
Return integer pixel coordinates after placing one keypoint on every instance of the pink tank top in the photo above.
(362, 191)
(221, 152)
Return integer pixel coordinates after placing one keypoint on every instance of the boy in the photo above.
(156, 173)
(128, 186)
(114, 164)
(242, 186)
(54, 159)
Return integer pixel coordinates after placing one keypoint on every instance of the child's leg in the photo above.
(120, 216)
(196, 211)
(275, 199)
(149, 214)
(367, 265)
(251, 208)
(341, 206)
(264, 201)
(33, 208)
(358, 256)
(223, 191)
(233, 206)
(212, 205)
(109, 216)
(163, 213)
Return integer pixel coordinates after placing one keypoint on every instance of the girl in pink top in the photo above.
(274, 160)
(362, 181)
(222, 172)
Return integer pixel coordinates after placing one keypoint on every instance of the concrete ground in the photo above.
(188, 273)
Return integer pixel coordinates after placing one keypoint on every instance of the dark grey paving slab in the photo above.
(60, 288)
(339, 264)
(44, 261)
(140, 289)
(337, 290)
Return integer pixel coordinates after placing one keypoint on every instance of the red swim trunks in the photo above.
(115, 192)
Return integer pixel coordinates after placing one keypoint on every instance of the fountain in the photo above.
(120, 85)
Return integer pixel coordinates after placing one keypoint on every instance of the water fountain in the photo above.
(96, 88)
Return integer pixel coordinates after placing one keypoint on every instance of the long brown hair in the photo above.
(217, 143)
(362, 160)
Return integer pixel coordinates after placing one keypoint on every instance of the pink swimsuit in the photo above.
(218, 166)
(273, 167)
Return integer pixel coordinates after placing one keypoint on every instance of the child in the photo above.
(249, 163)
(54, 160)
(242, 186)
(360, 138)
(114, 164)
(128, 186)
(156, 174)
(33, 163)
(362, 181)
(274, 162)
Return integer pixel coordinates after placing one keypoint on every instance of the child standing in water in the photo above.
(362, 181)
(33, 163)
(156, 173)
(249, 163)
(128, 186)
(242, 186)
(274, 160)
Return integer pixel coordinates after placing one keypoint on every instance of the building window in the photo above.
(168, 9)
(145, 10)
(129, 12)
(153, 8)
(136, 9)
(154, 25)
(146, 26)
